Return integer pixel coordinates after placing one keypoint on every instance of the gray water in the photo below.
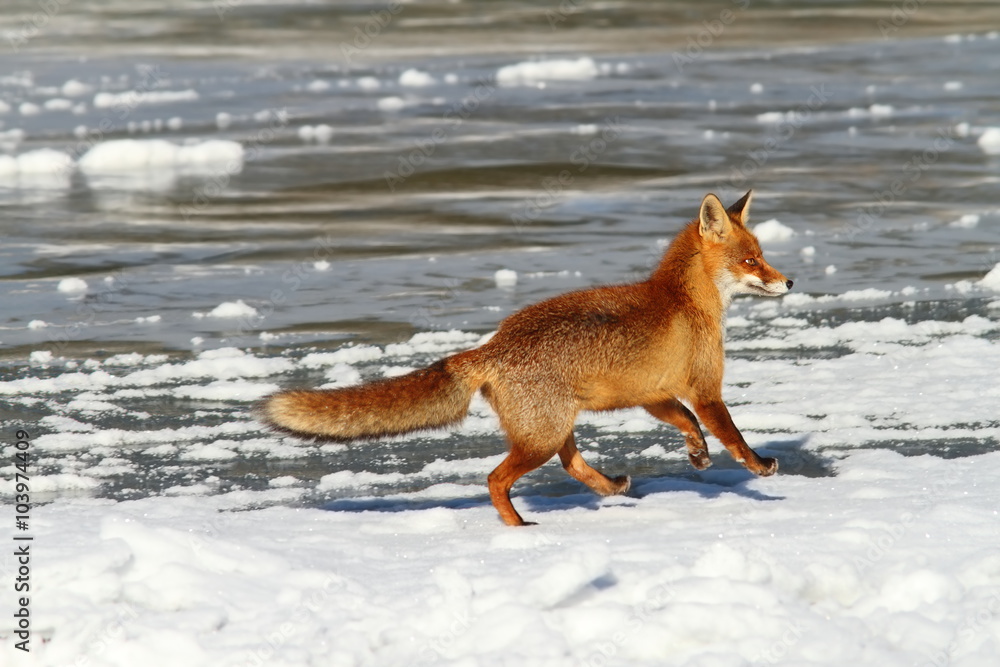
(855, 123)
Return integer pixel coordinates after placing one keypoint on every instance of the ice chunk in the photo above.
(416, 79)
(528, 73)
(989, 141)
(505, 278)
(72, 286)
(772, 231)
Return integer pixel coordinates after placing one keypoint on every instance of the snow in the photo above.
(75, 88)
(58, 104)
(155, 164)
(852, 554)
(989, 141)
(233, 309)
(505, 278)
(761, 572)
(414, 78)
(134, 98)
(391, 103)
(873, 111)
(321, 133)
(121, 156)
(40, 357)
(532, 72)
(49, 164)
(772, 231)
(966, 221)
(992, 279)
(72, 285)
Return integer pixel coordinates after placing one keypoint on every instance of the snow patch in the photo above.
(773, 231)
(125, 155)
(989, 141)
(530, 73)
(992, 279)
(505, 278)
(72, 286)
(135, 98)
(414, 78)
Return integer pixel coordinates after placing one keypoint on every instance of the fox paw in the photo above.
(621, 485)
(699, 459)
(767, 467)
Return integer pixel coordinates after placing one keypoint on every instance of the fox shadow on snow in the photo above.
(541, 496)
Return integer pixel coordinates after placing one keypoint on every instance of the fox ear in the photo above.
(741, 209)
(714, 221)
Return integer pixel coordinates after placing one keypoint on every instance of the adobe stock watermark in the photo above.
(983, 620)
(710, 30)
(562, 13)
(217, 181)
(911, 172)
(582, 157)
(110, 633)
(425, 316)
(273, 643)
(292, 280)
(606, 652)
(885, 539)
(423, 150)
(439, 646)
(778, 651)
(882, 543)
(783, 132)
(900, 15)
(366, 34)
(33, 24)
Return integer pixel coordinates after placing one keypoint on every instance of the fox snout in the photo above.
(775, 287)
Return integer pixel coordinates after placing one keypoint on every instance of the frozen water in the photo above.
(268, 164)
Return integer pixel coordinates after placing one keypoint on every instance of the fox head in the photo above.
(732, 253)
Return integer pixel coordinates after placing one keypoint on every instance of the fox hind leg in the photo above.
(519, 462)
(674, 412)
(574, 464)
(536, 423)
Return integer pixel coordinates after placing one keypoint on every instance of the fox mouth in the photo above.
(763, 290)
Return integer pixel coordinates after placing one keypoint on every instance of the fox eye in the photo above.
(752, 261)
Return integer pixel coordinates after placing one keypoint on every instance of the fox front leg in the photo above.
(716, 417)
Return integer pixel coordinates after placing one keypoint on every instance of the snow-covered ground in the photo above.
(892, 561)
(853, 555)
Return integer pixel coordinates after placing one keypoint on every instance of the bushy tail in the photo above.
(427, 398)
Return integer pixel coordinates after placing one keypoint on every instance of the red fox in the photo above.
(656, 344)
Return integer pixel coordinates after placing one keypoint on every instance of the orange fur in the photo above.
(656, 344)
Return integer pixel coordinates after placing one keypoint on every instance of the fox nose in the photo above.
(789, 284)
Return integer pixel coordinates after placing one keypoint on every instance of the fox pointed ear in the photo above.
(714, 221)
(741, 209)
